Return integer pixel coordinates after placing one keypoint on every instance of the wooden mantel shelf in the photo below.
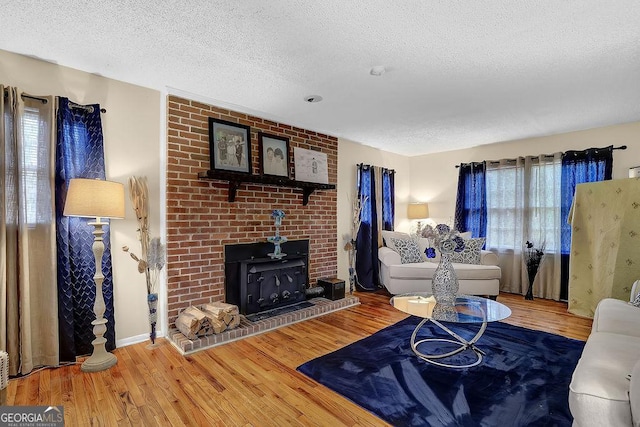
(236, 179)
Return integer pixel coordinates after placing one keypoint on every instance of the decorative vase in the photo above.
(152, 301)
(532, 271)
(445, 313)
(353, 276)
(445, 282)
(277, 240)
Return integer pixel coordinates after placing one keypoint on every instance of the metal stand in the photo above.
(461, 342)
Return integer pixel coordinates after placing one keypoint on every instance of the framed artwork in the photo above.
(274, 155)
(311, 166)
(229, 146)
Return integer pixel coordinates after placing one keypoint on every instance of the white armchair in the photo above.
(605, 387)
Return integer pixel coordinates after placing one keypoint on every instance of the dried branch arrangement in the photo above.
(152, 257)
(350, 246)
(356, 221)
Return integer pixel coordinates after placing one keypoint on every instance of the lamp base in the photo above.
(97, 363)
(100, 359)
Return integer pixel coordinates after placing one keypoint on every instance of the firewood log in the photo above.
(189, 322)
(227, 314)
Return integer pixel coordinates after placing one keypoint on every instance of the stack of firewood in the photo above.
(207, 319)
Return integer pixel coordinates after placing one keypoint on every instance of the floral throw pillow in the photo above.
(636, 300)
(408, 249)
(388, 235)
(471, 253)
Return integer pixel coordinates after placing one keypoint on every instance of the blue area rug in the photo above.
(522, 381)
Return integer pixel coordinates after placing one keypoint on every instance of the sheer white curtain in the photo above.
(544, 220)
(28, 291)
(523, 204)
(505, 216)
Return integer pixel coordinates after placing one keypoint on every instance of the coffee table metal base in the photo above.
(459, 341)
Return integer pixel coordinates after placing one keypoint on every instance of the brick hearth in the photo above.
(321, 306)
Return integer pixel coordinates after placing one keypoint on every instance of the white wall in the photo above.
(349, 155)
(132, 132)
(434, 177)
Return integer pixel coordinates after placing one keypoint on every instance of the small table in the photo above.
(466, 309)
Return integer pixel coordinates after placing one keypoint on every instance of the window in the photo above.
(503, 205)
(523, 203)
(544, 204)
(33, 159)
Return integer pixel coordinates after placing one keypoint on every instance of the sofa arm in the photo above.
(634, 391)
(488, 258)
(388, 256)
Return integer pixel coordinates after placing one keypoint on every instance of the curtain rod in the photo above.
(24, 95)
(85, 107)
(622, 147)
(45, 100)
(37, 98)
(360, 165)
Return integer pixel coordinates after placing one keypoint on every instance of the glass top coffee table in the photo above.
(466, 309)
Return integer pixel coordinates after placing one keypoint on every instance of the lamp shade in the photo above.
(418, 211)
(94, 198)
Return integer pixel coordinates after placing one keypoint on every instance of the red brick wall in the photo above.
(200, 220)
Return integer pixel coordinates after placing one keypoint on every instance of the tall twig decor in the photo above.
(350, 246)
(152, 256)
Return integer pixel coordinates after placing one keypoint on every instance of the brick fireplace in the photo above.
(201, 220)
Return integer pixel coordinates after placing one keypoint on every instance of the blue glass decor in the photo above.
(277, 240)
(152, 301)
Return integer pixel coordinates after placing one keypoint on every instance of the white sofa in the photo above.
(474, 279)
(605, 387)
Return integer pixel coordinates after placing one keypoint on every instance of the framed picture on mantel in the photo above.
(229, 146)
(274, 155)
(311, 165)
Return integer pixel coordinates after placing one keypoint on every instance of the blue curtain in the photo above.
(471, 201)
(79, 154)
(592, 165)
(367, 242)
(388, 199)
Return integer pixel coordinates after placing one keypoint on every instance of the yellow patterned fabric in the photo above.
(605, 243)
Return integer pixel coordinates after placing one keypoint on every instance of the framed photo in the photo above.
(274, 155)
(311, 166)
(229, 146)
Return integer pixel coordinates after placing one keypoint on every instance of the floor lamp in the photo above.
(97, 199)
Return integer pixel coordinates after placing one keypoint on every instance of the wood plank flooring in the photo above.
(252, 382)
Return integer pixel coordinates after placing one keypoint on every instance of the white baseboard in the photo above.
(135, 339)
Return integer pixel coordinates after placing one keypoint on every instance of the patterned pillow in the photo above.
(408, 249)
(471, 252)
(636, 300)
(388, 235)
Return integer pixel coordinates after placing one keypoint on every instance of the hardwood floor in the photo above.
(249, 382)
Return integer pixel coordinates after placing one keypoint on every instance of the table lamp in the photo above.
(418, 211)
(97, 199)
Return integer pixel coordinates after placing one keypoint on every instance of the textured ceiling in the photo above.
(458, 73)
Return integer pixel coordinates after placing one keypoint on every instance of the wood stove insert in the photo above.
(256, 283)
